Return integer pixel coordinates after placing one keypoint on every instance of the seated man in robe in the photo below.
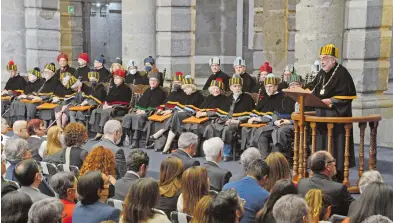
(240, 106)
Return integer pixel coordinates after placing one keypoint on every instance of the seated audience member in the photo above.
(75, 135)
(110, 140)
(324, 167)
(4, 131)
(140, 202)
(19, 129)
(15, 207)
(171, 171)
(134, 76)
(46, 210)
(188, 144)
(246, 158)
(377, 198)
(94, 189)
(213, 149)
(281, 188)
(319, 205)
(51, 149)
(250, 188)
(195, 185)
(227, 207)
(100, 159)
(137, 165)
(202, 210)
(291, 209)
(15, 150)
(367, 177)
(28, 175)
(279, 169)
(377, 219)
(35, 129)
(6, 185)
(64, 184)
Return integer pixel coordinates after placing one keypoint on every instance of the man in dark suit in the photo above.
(324, 167)
(137, 164)
(29, 177)
(188, 144)
(213, 149)
(112, 136)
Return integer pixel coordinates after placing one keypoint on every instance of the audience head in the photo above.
(201, 212)
(188, 142)
(213, 149)
(278, 169)
(36, 127)
(64, 184)
(248, 156)
(138, 161)
(319, 204)
(4, 126)
(75, 134)
(259, 170)
(28, 174)
(54, 140)
(46, 210)
(17, 149)
(377, 198)
(291, 209)
(8, 188)
(195, 185)
(227, 207)
(94, 186)
(281, 188)
(140, 201)
(101, 159)
(20, 129)
(171, 171)
(369, 177)
(323, 162)
(113, 131)
(15, 207)
(377, 219)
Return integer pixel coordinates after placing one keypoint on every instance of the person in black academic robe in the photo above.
(218, 74)
(334, 85)
(116, 104)
(105, 75)
(92, 93)
(82, 71)
(62, 59)
(240, 106)
(134, 76)
(16, 82)
(249, 82)
(272, 107)
(151, 68)
(147, 104)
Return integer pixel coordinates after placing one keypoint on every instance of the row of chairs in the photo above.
(50, 169)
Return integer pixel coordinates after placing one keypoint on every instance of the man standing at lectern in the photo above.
(334, 86)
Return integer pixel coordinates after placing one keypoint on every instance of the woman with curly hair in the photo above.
(51, 149)
(75, 135)
(100, 159)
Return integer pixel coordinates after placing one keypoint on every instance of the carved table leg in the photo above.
(330, 137)
(372, 165)
(295, 151)
(362, 126)
(348, 128)
(305, 151)
(300, 172)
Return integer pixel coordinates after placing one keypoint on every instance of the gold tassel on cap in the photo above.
(330, 50)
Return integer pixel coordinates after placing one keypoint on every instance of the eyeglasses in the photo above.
(332, 161)
(242, 201)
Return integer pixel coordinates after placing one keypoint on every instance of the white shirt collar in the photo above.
(133, 172)
(36, 136)
(185, 152)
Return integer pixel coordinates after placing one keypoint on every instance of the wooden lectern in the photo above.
(304, 98)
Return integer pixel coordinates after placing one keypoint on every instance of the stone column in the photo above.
(12, 36)
(138, 30)
(42, 19)
(71, 27)
(176, 36)
(367, 52)
(318, 22)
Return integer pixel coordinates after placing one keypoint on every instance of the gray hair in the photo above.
(61, 182)
(211, 89)
(3, 121)
(377, 219)
(290, 209)
(187, 139)
(46, 210)
(369, 177)
(248, 156)
(112, 126)
(14, 148)
(212, 148)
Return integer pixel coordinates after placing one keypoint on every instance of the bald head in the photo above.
(20, 129)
